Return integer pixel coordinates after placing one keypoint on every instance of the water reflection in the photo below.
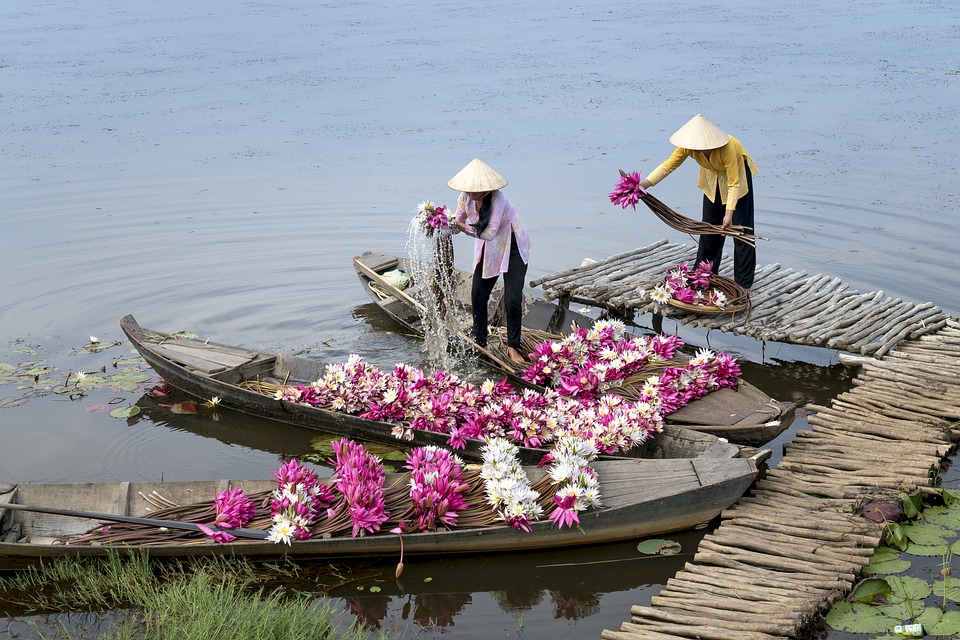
(562, 584)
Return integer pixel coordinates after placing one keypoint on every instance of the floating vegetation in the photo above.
(886, 600)
(88, 377)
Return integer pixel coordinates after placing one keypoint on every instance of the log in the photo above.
(759, 576)
(666, 631)
(804, 532)
(722, 610)
(751, 559)
(694, 620)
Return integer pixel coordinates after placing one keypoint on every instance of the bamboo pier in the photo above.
(787, 306)
(796, 543)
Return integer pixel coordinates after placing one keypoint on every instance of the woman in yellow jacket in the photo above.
(726, 179)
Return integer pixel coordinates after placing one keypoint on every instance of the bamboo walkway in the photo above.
(787, 306)
(786, 552)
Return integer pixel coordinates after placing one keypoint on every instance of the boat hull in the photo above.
(643, 498)
(746, 416)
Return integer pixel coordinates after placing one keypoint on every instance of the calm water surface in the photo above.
(216, 169)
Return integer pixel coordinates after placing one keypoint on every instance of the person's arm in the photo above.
(461, 224)
(666, 167)
(731, 164)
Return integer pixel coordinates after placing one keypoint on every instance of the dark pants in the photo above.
(512, 297)
(711, 246)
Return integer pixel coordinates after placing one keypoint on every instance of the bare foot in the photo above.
(514, 356)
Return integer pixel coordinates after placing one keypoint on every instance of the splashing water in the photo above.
(442, 315)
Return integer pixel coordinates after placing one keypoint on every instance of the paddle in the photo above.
(257, 534)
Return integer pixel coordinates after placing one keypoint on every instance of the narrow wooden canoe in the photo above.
(206, 369)
(745, 416)
(642, 498)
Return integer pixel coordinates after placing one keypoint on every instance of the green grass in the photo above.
(209, 599)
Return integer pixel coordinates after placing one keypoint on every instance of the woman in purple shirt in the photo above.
(502, 246)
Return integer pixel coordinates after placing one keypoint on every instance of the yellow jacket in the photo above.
(725, 167)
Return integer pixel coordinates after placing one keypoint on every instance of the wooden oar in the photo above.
(257, 534)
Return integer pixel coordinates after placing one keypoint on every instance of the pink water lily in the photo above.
(628, 191)
(217, 536)
(436, 487)
(565, 512)
(359, 476)
(234, 509)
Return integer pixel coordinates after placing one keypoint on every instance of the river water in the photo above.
(215, 169)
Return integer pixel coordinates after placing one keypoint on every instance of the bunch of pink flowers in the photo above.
(628, 190)
(433, 216)
(234, 510)
(359, 476)
(436, 487)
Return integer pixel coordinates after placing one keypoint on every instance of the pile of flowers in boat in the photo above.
(589, 363)
(588, 397)
(437, 492)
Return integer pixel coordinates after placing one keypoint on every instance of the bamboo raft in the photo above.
(786, 552)
(787, 306)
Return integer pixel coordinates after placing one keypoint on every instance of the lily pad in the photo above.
(937, 623)
(886, 561)
(859, 618)
(948, 588)
(906, 596)
(658, 547)
(871, 591)
(927, 533)
(124, 412)
(927, 550)
(944, 516)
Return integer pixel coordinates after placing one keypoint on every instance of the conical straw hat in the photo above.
(699, 134)
(477, 177)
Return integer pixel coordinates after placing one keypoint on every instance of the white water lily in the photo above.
(703, 356)
(94, 339)
(281, 531)
(660, 294)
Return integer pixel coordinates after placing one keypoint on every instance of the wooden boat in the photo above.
(642, 497)
(746, 416)
(206, 369)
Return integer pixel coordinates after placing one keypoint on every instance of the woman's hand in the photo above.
(728, 218)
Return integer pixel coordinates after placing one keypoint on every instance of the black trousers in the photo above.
(711, 246)
(512, 297)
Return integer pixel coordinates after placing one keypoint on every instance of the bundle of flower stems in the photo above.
(396, 499)
(682, 223)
